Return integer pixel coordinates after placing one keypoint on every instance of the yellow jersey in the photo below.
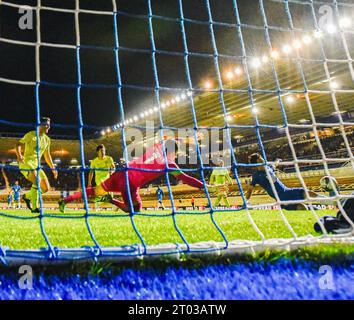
(30, 142)
(105, 163)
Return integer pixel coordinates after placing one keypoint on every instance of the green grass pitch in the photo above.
(117, 231)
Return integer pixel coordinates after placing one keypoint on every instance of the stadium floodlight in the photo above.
(274, 54)
(306, 39)
(228, 118)
(318, 34)
(103, 132)
(146, 113)
(189, 93)
(173, 101)
(135, 118)
(287, 49)
(334, 85)
(331, 28)
(178, 99)
(156, 109)
(168, 103)
(297, 44)
(290, 99)
(238, 71)
(151, 111)
(183, 96)
(163, 105)
(207, 84)
(254, 110)
(108, 130)
(142, 115)
(265, 59)
(345, 22)
(229, 75)
(256, 62)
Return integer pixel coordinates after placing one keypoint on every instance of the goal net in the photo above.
(225, 79)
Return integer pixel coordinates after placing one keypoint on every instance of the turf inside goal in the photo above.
(278, 83)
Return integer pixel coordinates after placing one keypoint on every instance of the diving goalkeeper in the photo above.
(152, 165)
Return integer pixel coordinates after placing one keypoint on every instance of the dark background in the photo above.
(100, 106)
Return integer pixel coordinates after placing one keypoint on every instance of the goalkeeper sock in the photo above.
(90, 192)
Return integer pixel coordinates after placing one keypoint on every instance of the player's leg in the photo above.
(110, 185)
(44, 185)
(162, 205)
(226, 200)
(125, 204)
(218, 200)
(29, 177)
(91, 192)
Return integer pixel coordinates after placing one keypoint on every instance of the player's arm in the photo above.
(251, 186)
(193, 182)
(228, 179)
(90, 175)
(18, 149)
(277, 163)
(249, 191)
(112, 168)
(7, 182)
(212, 179)
(48, 159)
(21, 145)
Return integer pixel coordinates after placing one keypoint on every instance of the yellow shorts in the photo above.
(27, 168)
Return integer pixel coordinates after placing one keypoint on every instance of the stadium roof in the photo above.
(209, 112)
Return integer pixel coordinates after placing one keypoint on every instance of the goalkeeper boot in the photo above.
(35, 210)
(107, 198)
(27, 202)
(62, 205)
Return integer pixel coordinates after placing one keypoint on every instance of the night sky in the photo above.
(99, 106)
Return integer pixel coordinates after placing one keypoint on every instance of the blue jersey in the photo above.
(9, 198)
(284, 193)
(17, 190)
(159, 194)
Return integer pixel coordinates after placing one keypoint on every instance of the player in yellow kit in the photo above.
(105, 166)
(29, 161)
(220, 178)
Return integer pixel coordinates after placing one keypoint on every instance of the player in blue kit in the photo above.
(9, 200)
(159, 194)
(16, 189)
(284, 193)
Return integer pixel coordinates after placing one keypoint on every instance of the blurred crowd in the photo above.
(305, 147)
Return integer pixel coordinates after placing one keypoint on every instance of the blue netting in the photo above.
(238, 27)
